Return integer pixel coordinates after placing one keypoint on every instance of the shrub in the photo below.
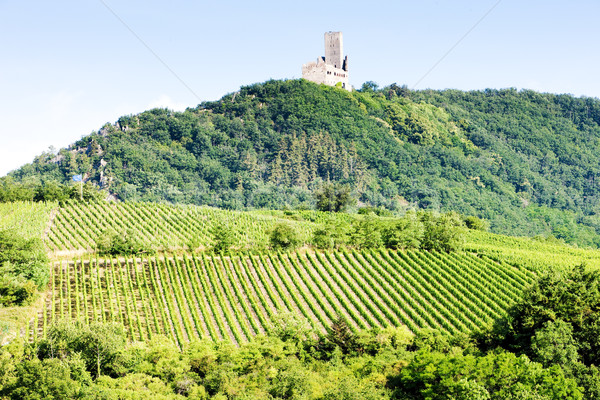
(23, 267)
(407, 233)
(443, 232)
(367, 233)
(475, 223)
(223, 236)
(331, 236)
(124, 242)
(284, 236)
(16, 291)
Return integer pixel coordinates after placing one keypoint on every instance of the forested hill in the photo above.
(525, 161)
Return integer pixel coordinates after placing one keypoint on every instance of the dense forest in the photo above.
(524, 161)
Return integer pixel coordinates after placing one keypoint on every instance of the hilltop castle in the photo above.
(332, 68)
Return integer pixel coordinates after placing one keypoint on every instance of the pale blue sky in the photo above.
(67, 67)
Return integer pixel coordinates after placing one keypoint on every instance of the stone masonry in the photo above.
(331, 69)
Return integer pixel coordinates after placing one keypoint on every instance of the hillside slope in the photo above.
(525, 161)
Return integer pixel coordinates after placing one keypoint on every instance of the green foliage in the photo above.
(45, 379)
(23, 267)
(284, 237)
(51, 190)
(501, 375)
(289, 326)
(14, 249)
(523, 161)
(223, 237)
(554, 344)
(406, 233)
(556, 323)
(559, 310)
(127, 241)
(331, 235)
(99, 345)
(443, 232)
(366, 233)
(340, 334)
(379, 211)
(475, 223)
(16, 291)
(333, 197)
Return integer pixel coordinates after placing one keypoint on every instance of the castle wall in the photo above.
(331, 69)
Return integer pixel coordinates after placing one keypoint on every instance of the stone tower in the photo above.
(334, 49)
(333, 68)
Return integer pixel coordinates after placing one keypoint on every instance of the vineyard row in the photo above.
(236, 297)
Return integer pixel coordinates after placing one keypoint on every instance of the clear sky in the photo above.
(68, 67)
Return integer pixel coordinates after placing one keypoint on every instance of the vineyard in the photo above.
(191, 294)
(530, 253)
(75, 227)
(167, 227)
(235, 297)
(28, 219)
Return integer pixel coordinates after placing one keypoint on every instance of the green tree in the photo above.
(475, 223)
(284, 236)
(23, 268)
(496, 375)
(557, 323)
(366, 233)
(443, 232)
(289, 326)
(331, 235)
(554, 344)
(126, 241)
(223, 237)
(341, 335)
(406, 233)
(333, 197)
(98, 344)
(45, 379)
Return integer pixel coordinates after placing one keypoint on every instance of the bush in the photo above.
(124, 242)
(289, 326)
(16, 291)
(407, 233)
(367, 233)
(333, 197)
(443, 232)
(23, 257)
(284, 236)
(475, 223)
(23, 267)
(223, 236)
(331, 236)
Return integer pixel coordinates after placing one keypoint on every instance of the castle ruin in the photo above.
(331, 69)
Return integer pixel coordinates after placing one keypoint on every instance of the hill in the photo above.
(524, 161)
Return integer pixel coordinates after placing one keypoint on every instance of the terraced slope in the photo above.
(235, 297)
